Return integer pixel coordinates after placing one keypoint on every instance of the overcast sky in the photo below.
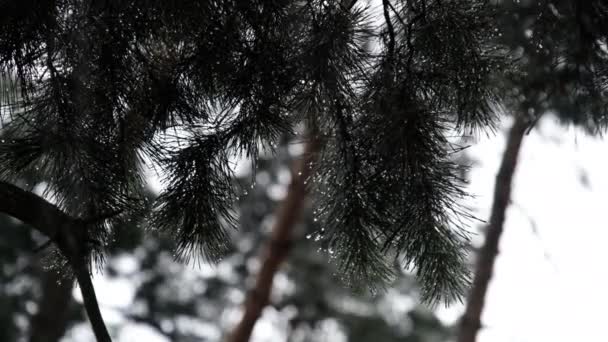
(550, 280)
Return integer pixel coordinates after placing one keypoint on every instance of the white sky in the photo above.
(549, 285)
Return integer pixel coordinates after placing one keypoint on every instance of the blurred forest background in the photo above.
(147, 296)
(153, 297)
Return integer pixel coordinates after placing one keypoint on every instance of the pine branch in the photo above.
(471, 320)
(66, 232)
(278, 247)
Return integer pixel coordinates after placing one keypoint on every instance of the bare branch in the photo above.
(66, 232)
(32, 210)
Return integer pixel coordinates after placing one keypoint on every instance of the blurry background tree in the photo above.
(185, 303)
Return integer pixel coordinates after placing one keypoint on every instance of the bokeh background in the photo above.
(548, 286)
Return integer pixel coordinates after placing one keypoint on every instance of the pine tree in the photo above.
(102, 91)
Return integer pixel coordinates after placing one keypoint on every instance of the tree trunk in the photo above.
(51, 321)
(471, 320)
(276, 250)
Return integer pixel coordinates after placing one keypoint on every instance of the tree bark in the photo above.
(67, 233)
(51, 321)
(276, 250)
(471, 320)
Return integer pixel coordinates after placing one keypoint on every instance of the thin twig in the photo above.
(391, 31)
(396, 13)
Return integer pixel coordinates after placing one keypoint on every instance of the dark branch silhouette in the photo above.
(66, 232)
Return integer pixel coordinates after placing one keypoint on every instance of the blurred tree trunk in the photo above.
(471, 320)
(276, 250)
(51, 321)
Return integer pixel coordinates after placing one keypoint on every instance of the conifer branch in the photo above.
(471, 320)
(277, 249)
